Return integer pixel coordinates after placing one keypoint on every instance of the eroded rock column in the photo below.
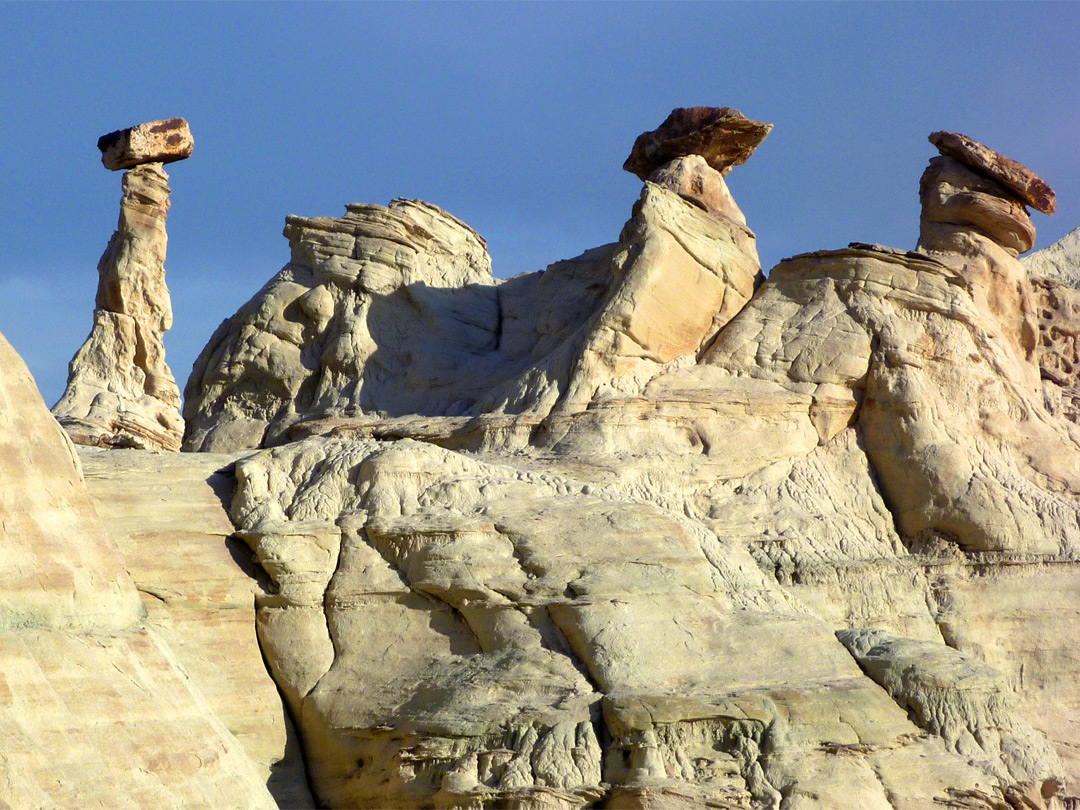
(120, 391)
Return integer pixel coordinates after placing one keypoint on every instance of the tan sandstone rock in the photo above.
(1020, 180)
(167, 513)
(1055, 272)
(679, 536)
(393, 311)
(153, 142)
(693, 179)
(120, 392)
(644, 530)
(96, 710)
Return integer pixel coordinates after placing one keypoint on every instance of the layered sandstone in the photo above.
(393, 313)
(96, 710)
(643, 530)
(646, 530)
(120, 391)
(167, 513)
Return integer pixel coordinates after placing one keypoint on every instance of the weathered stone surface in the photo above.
(530, 601)
(1025, 184)
(959, 698)
(1060, 262)
(167, 513)
(723, 136)
(645, 529)
(120, 392)
(693, 179)
(975, 227)
(1055, 274)
(96, 710)
(660, 533)
(952, 194)
(393, 311)
(153, 142)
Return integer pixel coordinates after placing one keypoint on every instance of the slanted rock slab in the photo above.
(1019, 179)
(153, 142)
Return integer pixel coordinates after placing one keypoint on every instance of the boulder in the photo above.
(152, 142)
(723, 136)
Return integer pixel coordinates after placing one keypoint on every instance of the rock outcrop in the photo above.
(1055, 276)
(392, 312)
(120, 392)
(643, 530)
(649, 530)
(96, 711)
(167, 515)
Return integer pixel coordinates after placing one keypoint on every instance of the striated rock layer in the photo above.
(646, 530)
(167, 514)
(96, 711)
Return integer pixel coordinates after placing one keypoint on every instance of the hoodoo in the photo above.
(646, 529)
(120, 392)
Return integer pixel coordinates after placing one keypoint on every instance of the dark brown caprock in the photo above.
(723, 136)
(1017, 178)
(153, 142)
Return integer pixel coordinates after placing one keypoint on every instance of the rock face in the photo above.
(153, 142)
(645, 530)
(120, 392)
(96, 711)
(1060, 262)
(167, 514)
(393, 312)
(1055, 273)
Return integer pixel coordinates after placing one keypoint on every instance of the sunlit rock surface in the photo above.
(120, 391)
(646, 529)
(96, 709)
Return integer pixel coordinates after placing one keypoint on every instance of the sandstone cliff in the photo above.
(95, 709)
(648, 530)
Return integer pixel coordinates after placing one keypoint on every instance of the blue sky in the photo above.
(515, 117)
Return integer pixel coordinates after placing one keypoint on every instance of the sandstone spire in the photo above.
(120, 392)
(974, 220)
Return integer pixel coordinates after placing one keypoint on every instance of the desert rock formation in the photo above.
(95, 711)
(120, 392)
(393, 312)
(646, 529)
(649, 530)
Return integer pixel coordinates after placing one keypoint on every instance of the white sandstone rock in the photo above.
(120, 392)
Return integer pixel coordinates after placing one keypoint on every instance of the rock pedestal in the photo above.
(974, 220)
(120, 392)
